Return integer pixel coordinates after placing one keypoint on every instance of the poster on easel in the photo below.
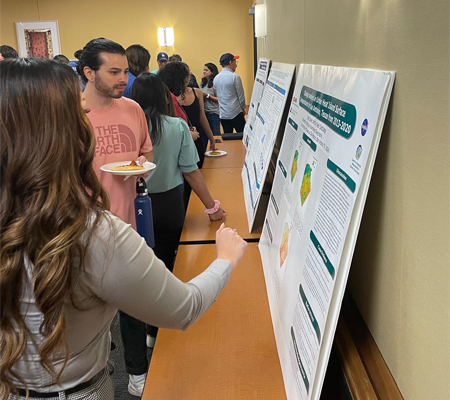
(265, 130)
(258, 87)
(315, 207)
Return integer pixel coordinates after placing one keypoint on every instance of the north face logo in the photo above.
(113, 139)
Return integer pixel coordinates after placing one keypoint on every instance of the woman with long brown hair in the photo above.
(67, 264)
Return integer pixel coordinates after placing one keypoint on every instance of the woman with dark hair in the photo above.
(138, 59)
(170, 106)
(174, 154)
(67, 264)
(191, 99)
(210, 98)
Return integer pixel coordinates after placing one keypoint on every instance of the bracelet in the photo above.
(214, 209)
(207, 96)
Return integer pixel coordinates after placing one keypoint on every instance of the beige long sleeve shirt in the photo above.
(121, 272)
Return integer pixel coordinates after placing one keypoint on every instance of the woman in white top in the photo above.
(210, 99)
(67, 265)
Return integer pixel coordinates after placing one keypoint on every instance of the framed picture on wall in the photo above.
(38, 39)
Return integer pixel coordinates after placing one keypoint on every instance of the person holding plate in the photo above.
(121, 134)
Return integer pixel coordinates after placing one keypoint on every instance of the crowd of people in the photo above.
(70, 254)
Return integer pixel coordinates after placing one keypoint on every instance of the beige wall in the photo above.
(400, 272)
(204, 29)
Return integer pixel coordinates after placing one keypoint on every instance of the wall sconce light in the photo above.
(166, 36)
(260, 20)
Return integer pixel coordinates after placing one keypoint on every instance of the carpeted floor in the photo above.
(120, 376)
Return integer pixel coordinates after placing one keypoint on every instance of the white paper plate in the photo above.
(222, 153)
(148, 166)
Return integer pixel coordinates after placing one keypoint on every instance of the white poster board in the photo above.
(265, 131)
(258, 88)
(315, 208)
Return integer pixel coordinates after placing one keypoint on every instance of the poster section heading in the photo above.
(336, 114)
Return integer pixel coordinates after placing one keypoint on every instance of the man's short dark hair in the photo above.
(90, 55)
(8, 52)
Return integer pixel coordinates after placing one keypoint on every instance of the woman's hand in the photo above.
(212, 144)
(205, 94)
(229, 245)
(218, 215)
(195, 135)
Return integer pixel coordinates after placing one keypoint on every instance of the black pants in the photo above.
(133, 334)
(237, 123)
(168, 219)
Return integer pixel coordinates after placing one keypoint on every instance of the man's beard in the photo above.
(106, 90)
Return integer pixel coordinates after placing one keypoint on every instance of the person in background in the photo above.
(174, 154)
(121, 134)
(67, 264)
(162, 59)
(175, 57)
(7, 52)
(192, 80)
(210, 99)
(138, 59)
(74, 64)
(176, 76)
(170, 106)
(62, 58)
(231, 95)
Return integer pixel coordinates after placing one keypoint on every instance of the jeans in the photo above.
(214, 122)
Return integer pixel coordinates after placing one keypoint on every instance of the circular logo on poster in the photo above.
(358, 152)
(364, 127)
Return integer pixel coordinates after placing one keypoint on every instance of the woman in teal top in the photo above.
(174, 154)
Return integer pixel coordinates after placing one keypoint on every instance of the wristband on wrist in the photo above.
(207, 96)
(214, 209)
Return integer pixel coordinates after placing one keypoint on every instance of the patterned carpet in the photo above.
(120, 376)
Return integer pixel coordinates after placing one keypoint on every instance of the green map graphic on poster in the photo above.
(306, 184)
(294, 166)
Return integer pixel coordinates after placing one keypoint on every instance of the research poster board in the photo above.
(265, 131)
(258, 88)
(320, 185)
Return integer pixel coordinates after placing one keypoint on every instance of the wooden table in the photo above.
(234, 158)
(230, 352)
(224, 184)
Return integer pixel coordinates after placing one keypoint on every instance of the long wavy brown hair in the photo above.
(49, 195)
